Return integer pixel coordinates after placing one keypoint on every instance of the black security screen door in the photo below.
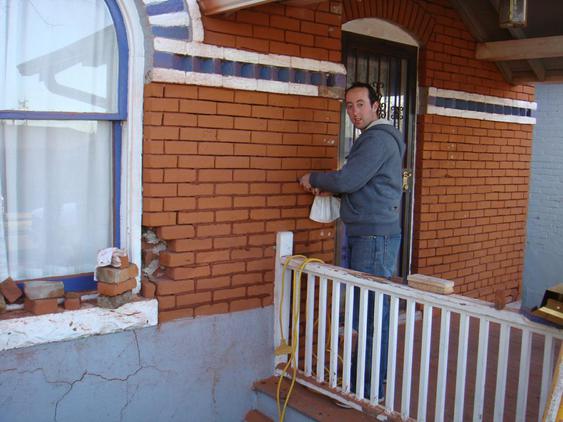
(391, 69)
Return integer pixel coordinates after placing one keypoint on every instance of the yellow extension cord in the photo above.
(283, 348)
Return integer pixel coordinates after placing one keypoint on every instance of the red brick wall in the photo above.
(312, 32)
(219, 180)
(220, 165)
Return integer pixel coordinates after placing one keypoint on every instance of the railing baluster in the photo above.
(297, 314)
(347, 357)
(376, 347)
(282, 294)
(461, 371)
(321, 332)
(335, 321)
(424, 362)
(442, 365)
(523, 375)
(547, 373)
(407, 359)
(502, 365)
(392, 353)
(481, 369)
(361, 348)
(310, 322)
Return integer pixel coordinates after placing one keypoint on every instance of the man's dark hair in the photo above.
(372, 93)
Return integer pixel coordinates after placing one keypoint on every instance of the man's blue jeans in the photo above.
(375, 255)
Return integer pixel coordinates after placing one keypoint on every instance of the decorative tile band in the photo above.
(178, 32)
(474, 106)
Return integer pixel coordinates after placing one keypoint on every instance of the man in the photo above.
(370, 186)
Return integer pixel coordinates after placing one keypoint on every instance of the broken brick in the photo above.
(2, 304)
(112, 302)
(10, 290)
(41, 306)
(116, 275)
(44, 289)
(72, 301)
(148, 289)
(114, 289)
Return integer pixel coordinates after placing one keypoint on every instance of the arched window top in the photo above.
(63, 57)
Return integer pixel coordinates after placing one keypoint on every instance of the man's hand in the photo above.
(305, 182)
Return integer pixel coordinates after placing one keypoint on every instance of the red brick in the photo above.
(155, 219)
(114, 289)
(229, 294)
(216, 94)
(10, 290)
(212, 256)
(180, 91)
(197, 107)
(181, 273)
(148, 289)
(218, 308)
(41, 306)
(193, 299)
(185, 245)
(176, 259)
(227, 268)
(176, 204)
(244, 304)
(179, 175)
(175, 232)
(72, 301)
(195, 217)
(166, 302)
(175, 314)
(172, 287)
(213, 230)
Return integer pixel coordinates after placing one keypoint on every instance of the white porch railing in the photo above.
(478, 364)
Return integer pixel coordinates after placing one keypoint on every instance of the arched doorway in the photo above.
(385, 56)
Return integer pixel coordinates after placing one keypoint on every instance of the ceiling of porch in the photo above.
(524, 54)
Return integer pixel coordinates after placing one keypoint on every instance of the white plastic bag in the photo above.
(325, 209)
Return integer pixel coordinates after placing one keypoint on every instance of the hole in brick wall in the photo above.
(152, 246)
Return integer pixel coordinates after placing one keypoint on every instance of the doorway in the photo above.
(390, 68)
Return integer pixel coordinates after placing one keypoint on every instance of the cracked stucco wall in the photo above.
(187, 370)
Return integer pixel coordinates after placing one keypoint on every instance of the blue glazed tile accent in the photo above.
(283, 74)
(172, 32)
(339, 80)
(227, 68)
(167, 6)
(265, 72)
(172, 61)
(316, 78)
(248, 70)
(459, 104)
(204, 65)
(300, 76)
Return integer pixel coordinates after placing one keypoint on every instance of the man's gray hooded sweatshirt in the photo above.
(370, 183)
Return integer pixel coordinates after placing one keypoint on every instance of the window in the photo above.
(62, 106)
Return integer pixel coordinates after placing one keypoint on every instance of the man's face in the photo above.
(359, 109)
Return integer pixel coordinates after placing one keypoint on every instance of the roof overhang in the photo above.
(528, 52)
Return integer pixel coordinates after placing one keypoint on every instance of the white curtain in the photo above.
(56, 198)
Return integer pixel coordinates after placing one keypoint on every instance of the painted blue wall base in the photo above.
(187, 370)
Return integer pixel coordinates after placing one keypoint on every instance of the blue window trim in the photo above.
(84, 282)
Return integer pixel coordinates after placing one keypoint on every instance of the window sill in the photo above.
(18, 329)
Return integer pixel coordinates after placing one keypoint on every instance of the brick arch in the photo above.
(408, 14)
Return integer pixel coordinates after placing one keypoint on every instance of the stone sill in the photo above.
(20, 329)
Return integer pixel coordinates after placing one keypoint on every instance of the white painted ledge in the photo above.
(25, 331)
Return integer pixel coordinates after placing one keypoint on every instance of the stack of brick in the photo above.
(9, 292)
(115, 284)
(41, 296)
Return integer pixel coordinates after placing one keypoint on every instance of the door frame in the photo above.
(379, 46)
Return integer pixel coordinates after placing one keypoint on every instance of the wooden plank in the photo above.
(524, 49)
(282, 293)
(547, 370)
(524, 375)
(553, 405)
(392, 353)
(424, 362)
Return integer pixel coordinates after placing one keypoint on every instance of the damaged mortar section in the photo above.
(152, 247)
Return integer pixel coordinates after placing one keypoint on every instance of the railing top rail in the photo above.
(457, 303)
